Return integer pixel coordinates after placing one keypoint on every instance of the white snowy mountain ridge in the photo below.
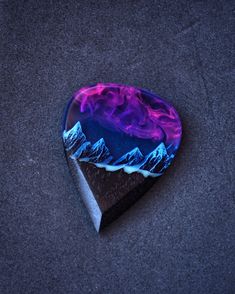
(98, 153)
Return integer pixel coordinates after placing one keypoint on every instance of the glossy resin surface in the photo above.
(122, 127)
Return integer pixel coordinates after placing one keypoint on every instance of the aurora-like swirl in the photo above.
(130, 110)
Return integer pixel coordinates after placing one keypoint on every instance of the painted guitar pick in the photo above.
(117, 140)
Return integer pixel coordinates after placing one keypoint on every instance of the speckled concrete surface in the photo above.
(179, 238)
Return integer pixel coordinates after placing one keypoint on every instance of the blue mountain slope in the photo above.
(74, 137)
(98, 153)
(82, 151)
(131, 158)
(154, 159)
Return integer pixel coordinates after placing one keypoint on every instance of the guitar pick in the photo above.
(118, 139)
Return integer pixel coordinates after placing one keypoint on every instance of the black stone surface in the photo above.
(112, 192)
(179, 237)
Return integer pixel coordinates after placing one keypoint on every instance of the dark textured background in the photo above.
(179, 238)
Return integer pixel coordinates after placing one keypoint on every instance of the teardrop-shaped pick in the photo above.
(117, 140)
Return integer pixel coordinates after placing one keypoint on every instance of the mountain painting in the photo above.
(122, 116)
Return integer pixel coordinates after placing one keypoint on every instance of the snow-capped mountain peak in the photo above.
(74, 136)
(131, 158)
